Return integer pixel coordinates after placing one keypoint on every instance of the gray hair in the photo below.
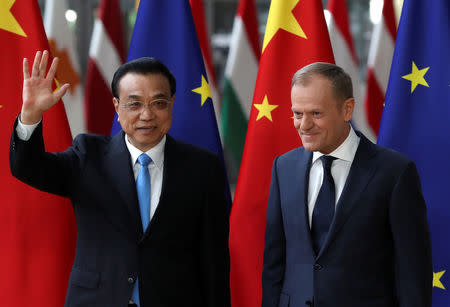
(340, 80)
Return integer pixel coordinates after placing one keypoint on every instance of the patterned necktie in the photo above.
(325, 204)
(143, 193)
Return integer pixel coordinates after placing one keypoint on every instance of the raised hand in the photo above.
(38, 95)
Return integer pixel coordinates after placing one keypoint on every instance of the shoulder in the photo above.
(298, 154)
(91, 142)
(387, 156)
(188, 152)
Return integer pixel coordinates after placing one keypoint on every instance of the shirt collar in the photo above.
(346, 151)
(156, 153)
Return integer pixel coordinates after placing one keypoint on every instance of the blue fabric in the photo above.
(415, 121)
(165, 30)
(325, 204)
(143, 186)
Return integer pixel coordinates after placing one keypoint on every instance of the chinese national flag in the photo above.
(296, 35)
(37, 230)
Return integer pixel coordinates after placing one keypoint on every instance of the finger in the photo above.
(60, 93)
(26, 69)
(37, 59)
(52, 71)
(43, 64)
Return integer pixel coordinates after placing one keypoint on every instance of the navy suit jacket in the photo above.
(377, 252)
(181, 260)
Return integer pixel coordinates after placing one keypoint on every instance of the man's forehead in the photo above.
(130, 82)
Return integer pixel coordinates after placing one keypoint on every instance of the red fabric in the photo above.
(109, 14)
(99, 109)
(389, 17)
(374, 101)
(247, 12)
(37, 230)
(338, 8)
(99, 105)
(283, 56)
(374, 98)
(203, 38)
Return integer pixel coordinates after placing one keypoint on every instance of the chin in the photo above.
(309, 147)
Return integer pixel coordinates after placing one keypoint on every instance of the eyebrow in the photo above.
(156, 96)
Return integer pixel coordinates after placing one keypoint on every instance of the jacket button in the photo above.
(317, 266)
(130, 280)
(308, 303)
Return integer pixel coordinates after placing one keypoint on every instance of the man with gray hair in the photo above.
(346, 219)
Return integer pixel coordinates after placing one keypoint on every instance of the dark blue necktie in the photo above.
(143, 193)
(324, 208)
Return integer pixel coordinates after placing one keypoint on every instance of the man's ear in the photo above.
(347, 108)
(116, 106)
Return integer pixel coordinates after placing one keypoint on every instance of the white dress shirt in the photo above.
(155, 168)
(340, 168)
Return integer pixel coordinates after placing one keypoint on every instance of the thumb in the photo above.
(61, 92)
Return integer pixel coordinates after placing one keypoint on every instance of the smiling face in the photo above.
(320, 119)
(146, 126)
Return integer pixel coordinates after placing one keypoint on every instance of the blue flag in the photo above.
(165, 30)
(416, 118)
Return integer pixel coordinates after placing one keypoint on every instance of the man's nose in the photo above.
(306, 123)
(147, 112)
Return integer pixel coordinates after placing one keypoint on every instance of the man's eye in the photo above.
(316, 113)
(134, 104)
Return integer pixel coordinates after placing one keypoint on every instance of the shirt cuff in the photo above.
(23, 131)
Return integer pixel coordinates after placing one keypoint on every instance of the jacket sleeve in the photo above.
(274, 246)
(215, 265)
(31, 164)
(412, 246)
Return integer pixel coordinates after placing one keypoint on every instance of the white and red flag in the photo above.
(379, 65)
(63, 45)
(106, 54)
(345, 56)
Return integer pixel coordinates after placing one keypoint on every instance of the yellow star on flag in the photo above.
(7, 20)
(437, 279)
(58, 85)
(203, 90)
(417, 76)
(281, 17)
(265, 109)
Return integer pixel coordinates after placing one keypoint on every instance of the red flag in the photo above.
(203, 38)
(296, 35)
(37, 230)
(106, 54)
(380, 57)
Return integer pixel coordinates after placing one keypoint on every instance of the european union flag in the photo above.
(416, 118)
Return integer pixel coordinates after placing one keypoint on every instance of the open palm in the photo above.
(38, 95)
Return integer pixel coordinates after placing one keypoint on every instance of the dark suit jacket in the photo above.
(181, 260)
(377, 252)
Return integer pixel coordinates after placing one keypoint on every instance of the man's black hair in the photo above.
(143, 66)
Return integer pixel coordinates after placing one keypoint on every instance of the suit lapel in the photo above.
(361, 171)
(299, 200)
(169, 168)
(119, 170)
